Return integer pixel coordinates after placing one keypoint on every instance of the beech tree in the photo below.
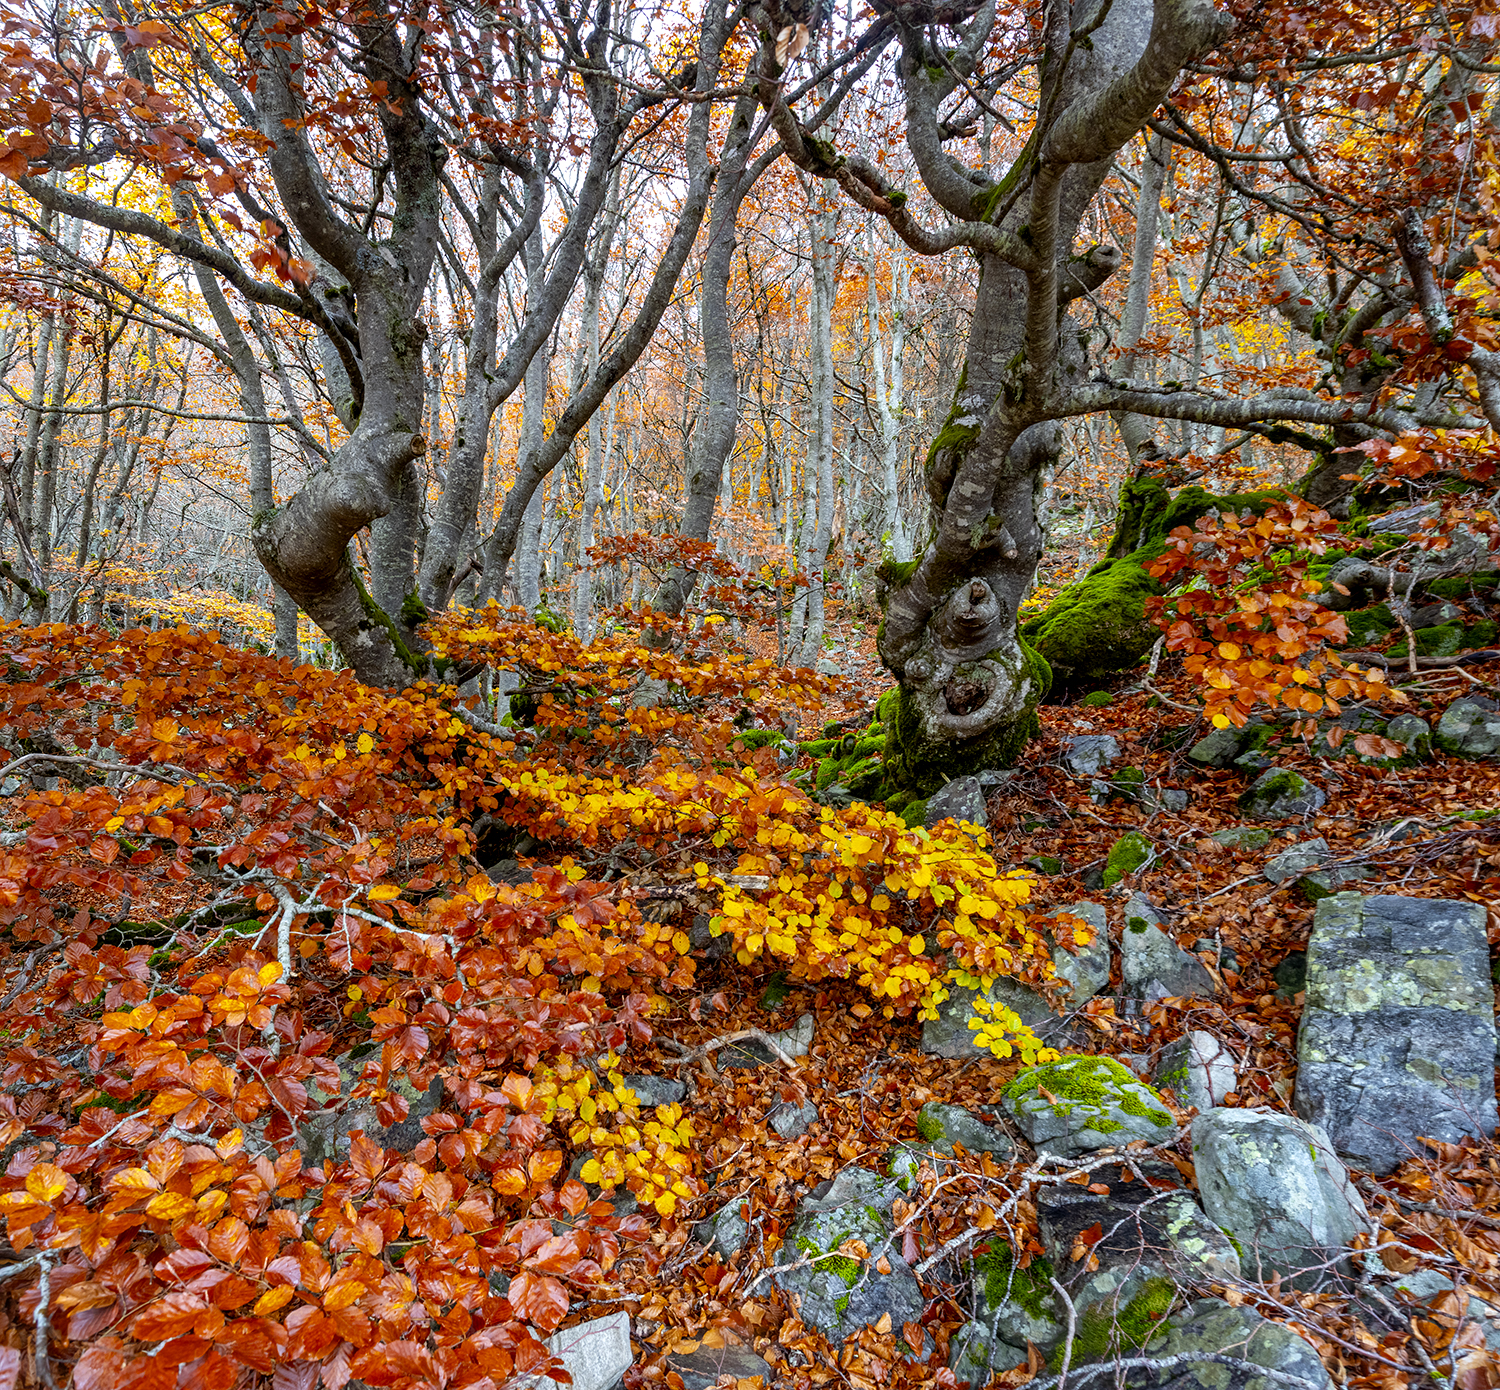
(1091, 79)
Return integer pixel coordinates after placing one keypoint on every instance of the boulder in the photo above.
(1097, 1104)
(1412, 732)
(950, 1034)
(701, 1369)
(834, 1288)
(1303, 863)
(1152, 965)
(1274, 1183)
(790, 1121)
(1199, 1069)
(1397, 1040)
(1146, 1235)
(1470, 728)
(962, 799)
(1211, 1326)
(1280, 794)
(1013, 1305)
(725, 1232)
(943, 1126)
(595, 1354)
(325, 1133)
(1220, 747)
(975, 1355)
(1089, 754)
(795, 1041)
(651, 1091)
(1244, 838)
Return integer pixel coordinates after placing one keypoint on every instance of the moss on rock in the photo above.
(1103, 1332)
(1126, 855)
(1087, 1080)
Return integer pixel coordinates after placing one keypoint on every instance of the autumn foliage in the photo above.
(248, 869)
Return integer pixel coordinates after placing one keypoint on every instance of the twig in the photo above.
(26, 973)
(1067, 1349)
(1168, 700)
(41, 1326)
(690, 1055)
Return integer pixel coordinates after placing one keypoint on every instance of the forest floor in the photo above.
(1424, 831)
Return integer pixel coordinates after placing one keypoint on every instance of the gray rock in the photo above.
(1212, 1326)
(828, 668)
(1086, 972)
(1242, 837)
(838, 1293)
(961, 799)
(650, 693)
(1291, 975)
(790, 1120)
(1099, 1105)
(943, 1126)
(1470, 728)
(1146, 1236)
(701, 1369)
(596, 1354)
(1199, 1068)
(1152, 965)
(1220, 747)
(795, 1041)
(1173, 800)
(1279, 794)
(1415, 733)
(10, 786)
(1274, 1183)
(1353, 721)
(1398, 1034)
(725, 1232)
(325, 1133)
(1407, 521)
(1305, 861)
(1090, 754)
(975, 1354)
(1014, 1306)
(1425, 1285)
(651, 1091)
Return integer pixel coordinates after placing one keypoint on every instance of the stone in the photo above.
(1083, 975)
(701, 1369)
(1098, 1105)
(1407, 521)
(10, 786)
(725, 1232)
(1302, 863)
(1220, 747)
(1275, 1184)
(1470, 728)
(1146, 1236)
(1434, 1290)
(828, 668)
(961, 800)
(1211, 1325)
(1414, 733)
(1279, 794)
(324, 1133)
(1084, 971)
(650, 693)
(1173, 800)
(1291, 975)
(1353, 722)
(596, 1354)
(1152, 965)
(1129, 854)
(790, 1121)
(651, 1091)
(975, 1354)
(1014, 1306)
(1199, 1069)
(1245, 838)
(838, 1293)
(1090, 754)
(943, 1126)
(795, 1041)
(1398, 1035)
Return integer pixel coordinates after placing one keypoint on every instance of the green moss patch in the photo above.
(1087, 1080)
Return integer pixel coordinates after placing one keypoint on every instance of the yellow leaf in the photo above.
(384, 892)
(271, 1300)
(364, 743)
(1229, 651)
(46, 1182)
(269, 973)
(169, 1206)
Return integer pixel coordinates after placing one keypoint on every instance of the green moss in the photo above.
(1102, 1082)
(914, 812)
(831, 1262)
(1097, 699)
(1369, 623)
(1444, 640)
(1481, 634)
(1128, 783)
(929, 1126)
(1102, 1333)
(827, 770)
(1126, 855)
(887, 704)
(896, 573)
(1463, 585)
(378, 617)
(1028, 1288)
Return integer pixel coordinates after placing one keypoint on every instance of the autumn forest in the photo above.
(757, 694)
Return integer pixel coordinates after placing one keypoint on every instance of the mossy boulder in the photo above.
(1446, 639)
(839, 1292)
(942, 1126)
(1280, 794)
(1095, 1104)
(1015, 1304)
(1212, 1327)
(1131, 852)
(1097, 627)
